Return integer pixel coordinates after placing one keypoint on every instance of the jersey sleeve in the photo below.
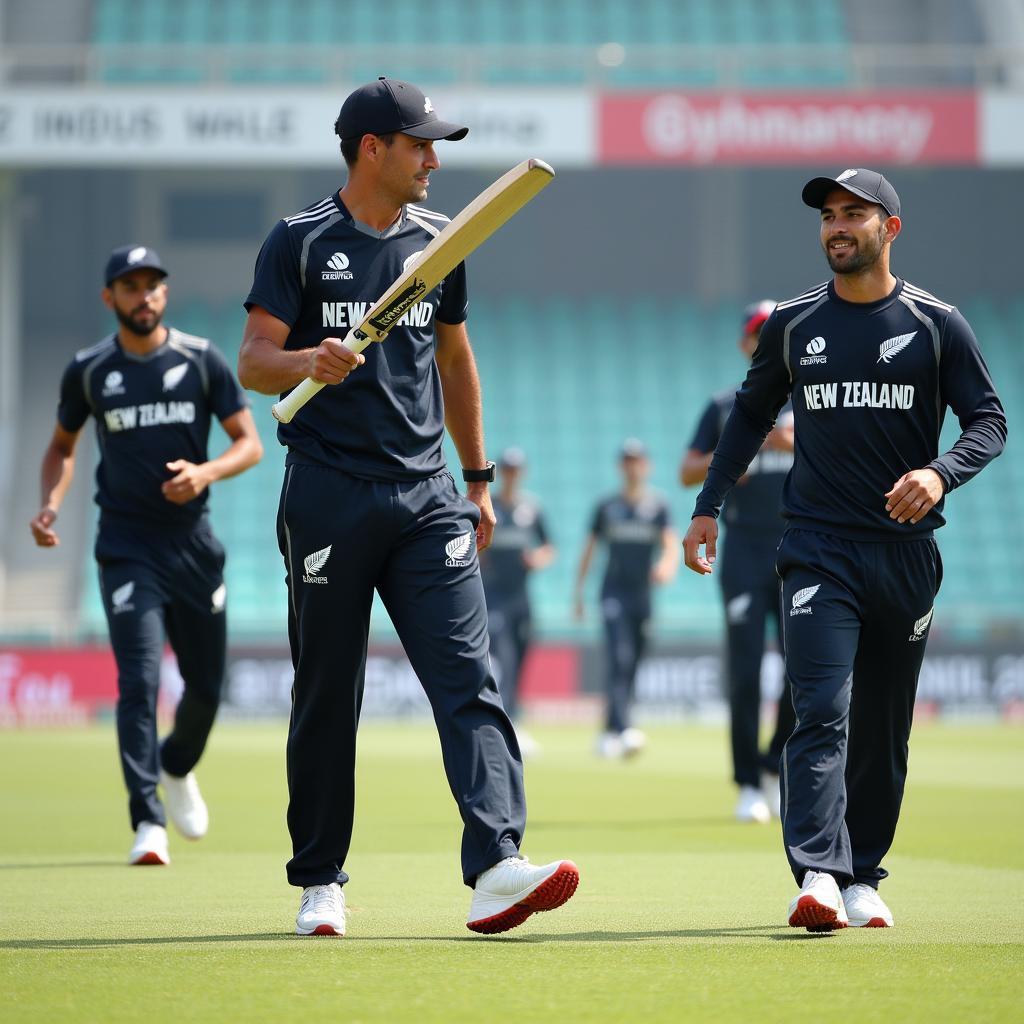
(966, 387)
(73, 407)
(540, 528)
(226, 395)
(664, 516)
(276, 285)
(705, 437)
(597, 522)
(758, 401)
(454, 305)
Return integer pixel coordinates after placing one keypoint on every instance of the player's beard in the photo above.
(136, 325)
(864, 257)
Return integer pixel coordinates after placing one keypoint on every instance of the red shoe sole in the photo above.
(876, 922)
(321, 929)
(549, 895)
(150, 858)
(815, 916)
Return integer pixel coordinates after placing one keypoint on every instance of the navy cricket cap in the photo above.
(389, 105)
(869, 185)
(127, 258)
(756, 314)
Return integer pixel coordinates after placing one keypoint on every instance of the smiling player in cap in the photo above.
(872, 362)
(152, 391)
(368, 503)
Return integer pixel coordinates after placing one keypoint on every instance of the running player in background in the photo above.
(750, 585)
(643, 551)
(872, 363)
(152, 391)
(368, 503)
(519, 546)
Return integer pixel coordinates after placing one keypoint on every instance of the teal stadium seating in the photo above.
(569, 398)
(469, 25)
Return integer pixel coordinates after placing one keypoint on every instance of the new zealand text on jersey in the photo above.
(351, 314)
(859, 394)
(152, 414)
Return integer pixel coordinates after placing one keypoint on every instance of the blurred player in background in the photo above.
(368, 503)
(872, 363)
(152, 391)
(643, 551)
(750, 585)
(519, 546)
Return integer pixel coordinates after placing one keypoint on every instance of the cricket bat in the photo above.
(473, 226)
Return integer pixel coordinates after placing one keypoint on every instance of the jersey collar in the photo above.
(388, 232)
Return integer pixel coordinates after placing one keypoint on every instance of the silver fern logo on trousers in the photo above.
(801, 599)
(921, 626)
(457, 550)
(121, 598)
(314, 563)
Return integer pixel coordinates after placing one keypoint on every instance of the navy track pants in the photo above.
(857, 616)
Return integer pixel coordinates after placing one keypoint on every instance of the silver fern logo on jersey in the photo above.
(814, 356)
(801, 600)
(173, 376)
(457, 550)
(893, 346)
(921, 626)
(314, 563)
(337, 269)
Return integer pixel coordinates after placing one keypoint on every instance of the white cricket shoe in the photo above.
(185, 804)
(150, 846)
(752, 806)
(866, 909)
(508, 893)
(609, 746)
(321, 911)
(771, 790)
(818, 906)
(633, 741)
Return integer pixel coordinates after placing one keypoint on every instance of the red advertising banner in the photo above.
(789, 128)
(55, 687)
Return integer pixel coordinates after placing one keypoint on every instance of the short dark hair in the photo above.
(350, 147)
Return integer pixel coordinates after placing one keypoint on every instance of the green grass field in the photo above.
(680, 913)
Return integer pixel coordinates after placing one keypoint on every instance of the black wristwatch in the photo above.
(472, 476)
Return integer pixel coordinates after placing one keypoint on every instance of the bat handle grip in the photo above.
(292, 402)
(286, 409)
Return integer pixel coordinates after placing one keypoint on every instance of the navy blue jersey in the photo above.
(319, 272)
(755, 504)
(633, 534)
(149, 410)
(870, 385)
(519, 528)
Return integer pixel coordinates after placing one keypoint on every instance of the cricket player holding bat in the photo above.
(368, 503)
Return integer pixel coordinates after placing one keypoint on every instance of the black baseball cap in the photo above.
(127, 258)
(389, 105)
(869, 185)
(756, 314)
